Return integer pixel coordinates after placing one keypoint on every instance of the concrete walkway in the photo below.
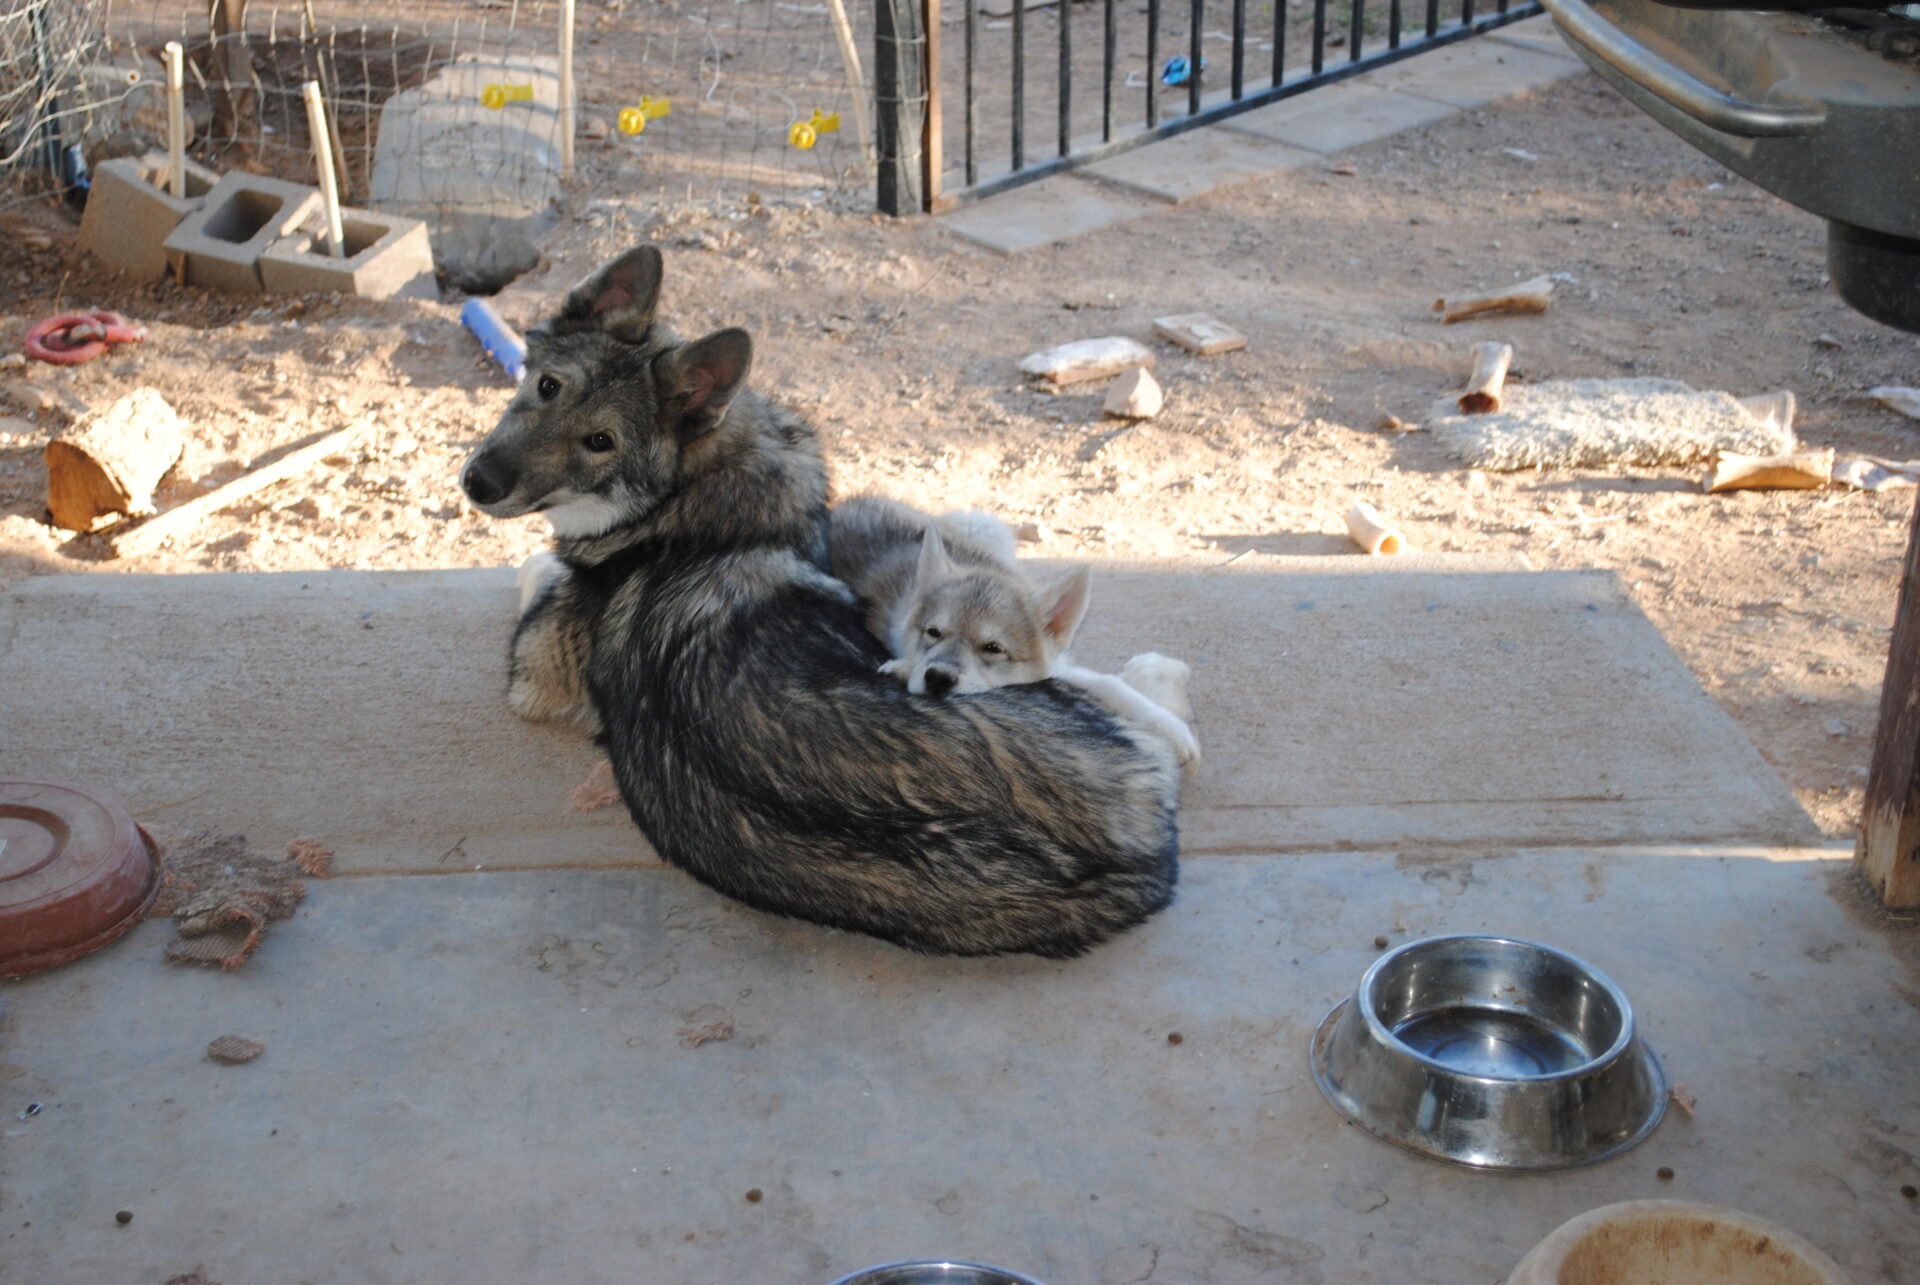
(1305, 130)
(481, 1074)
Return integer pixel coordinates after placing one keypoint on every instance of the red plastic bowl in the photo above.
(75, 873)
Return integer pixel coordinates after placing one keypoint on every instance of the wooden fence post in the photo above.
(1889, 848)
(899, 104)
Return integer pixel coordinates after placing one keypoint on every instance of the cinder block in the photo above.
(385, 255)
(219, 246)
(131, 210)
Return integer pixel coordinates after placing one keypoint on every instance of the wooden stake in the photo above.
(1888, 851)
(176, 120)
(566, 89)
(1490, 362)
(1800, 471)
(177, 524)
(856, 78)
(323, 160)
(931, 157)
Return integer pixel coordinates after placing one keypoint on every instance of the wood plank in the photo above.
(1889, 848)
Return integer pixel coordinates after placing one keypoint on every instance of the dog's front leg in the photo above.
(547, 663)
(1125, 701)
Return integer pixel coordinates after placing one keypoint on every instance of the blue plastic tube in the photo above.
(500, 340)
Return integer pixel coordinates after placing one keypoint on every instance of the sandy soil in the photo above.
(901, 341)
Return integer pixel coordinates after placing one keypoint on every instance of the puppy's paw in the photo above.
(1162, 680)
(894, 667)
(1186, 746)
(535, 574)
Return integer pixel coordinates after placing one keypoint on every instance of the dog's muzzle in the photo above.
(486, 480)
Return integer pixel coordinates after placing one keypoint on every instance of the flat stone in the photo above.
(1340, 116)
(1537, 33)
(1380, 701)
(1337, 704)
(1051, 210)
(1476, 72)
(1197, 162)
(483, 1078)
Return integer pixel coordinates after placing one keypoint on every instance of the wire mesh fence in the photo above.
(47, 51)
(458, 111)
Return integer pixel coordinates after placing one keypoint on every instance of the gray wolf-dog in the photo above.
(947, 598)
(691, 618)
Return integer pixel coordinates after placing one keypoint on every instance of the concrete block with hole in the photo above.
(385, 255)
(219, 246)
(131, 211)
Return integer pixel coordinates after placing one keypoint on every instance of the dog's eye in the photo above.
(934, 634)
(547, 387)
(993, 649)
(599, 443)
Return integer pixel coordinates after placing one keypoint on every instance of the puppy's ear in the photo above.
(934, 561)
(619, 299)
(1065, 606)
(699, 380)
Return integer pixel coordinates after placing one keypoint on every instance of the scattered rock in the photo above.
(1135, 395)
(1838, 727)
(1828, 341)
(123, 1217)
(1032, 533)
(235, 1049)
(1346, 169)
(1894, 397)
(595, 127)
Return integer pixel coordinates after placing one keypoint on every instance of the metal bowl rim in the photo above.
(1629, 1023)
(1317, 1065)
(858, 1272)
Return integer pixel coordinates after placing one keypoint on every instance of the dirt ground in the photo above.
(901, 341)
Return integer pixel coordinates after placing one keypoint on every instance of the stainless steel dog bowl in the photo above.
(1491, 1053)
(935, 1271)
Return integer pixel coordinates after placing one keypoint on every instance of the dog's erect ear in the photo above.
(1065, 606)
(698, 381)
(620, 298)
(934, 561)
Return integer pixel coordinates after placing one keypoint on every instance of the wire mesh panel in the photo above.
(457, 111)
(1033, 87)
(48, 85)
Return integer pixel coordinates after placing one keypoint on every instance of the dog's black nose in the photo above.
(485, 481)
(941, 681)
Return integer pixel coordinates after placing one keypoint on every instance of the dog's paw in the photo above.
(535, 574)
(1162, 680)
(1186, 746)
(894, 667)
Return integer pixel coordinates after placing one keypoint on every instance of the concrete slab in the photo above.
(1338, 704)
(1537, 33)
(1054, 209)
(481, 1078)
(1340, 116)
(1476, 72)
(1190, 165)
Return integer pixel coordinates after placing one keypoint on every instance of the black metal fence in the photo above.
(1112, 75)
